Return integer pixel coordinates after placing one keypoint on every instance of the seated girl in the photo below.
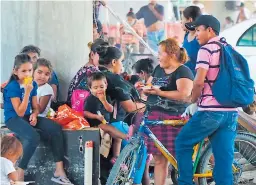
(42, 74)
(21, 112)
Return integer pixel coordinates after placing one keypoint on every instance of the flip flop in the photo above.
(61, 180)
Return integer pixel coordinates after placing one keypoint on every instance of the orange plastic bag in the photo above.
(70, 119)
(74, 125)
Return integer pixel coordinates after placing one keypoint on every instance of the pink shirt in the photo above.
(209, 58)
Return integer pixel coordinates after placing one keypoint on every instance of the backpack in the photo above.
(233, 86)
(78, 98)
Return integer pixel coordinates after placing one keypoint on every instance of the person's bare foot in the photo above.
(20, 174)
(60, 173)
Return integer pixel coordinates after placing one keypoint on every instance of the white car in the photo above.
(242, 37)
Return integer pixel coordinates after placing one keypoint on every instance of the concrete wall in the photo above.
(61, 29)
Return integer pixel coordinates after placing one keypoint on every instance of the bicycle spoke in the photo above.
(124, 169)
(252, 157)
(239, 151)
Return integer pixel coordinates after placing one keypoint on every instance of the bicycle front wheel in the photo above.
(244, 161)
(121, 172)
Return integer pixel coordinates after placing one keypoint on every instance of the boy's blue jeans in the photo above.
(220, 128)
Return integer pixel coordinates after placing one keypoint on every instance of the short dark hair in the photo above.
(192, 12)
(205, 27)
(31, 48)
(229, 18)
(95, 76)
(242, 4)
(145, 65)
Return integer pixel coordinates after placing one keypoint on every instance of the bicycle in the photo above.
(132, 154)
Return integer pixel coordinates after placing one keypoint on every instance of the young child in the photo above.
(42, 74)
(21, 117)
(98, 101)
(143, 68)
(11, 151)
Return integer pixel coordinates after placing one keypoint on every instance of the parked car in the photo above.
(242, 37)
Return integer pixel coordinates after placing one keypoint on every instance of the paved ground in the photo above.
(247, 175)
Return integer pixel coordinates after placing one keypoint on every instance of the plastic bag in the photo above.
(70, 119)
(74, 125)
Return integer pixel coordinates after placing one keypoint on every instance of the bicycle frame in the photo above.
(196, 155)
(144, 130)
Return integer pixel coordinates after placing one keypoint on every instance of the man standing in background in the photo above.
(244, 13)
(97, 26)
(153, 15)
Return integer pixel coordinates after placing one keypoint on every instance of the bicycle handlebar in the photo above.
(156, 104)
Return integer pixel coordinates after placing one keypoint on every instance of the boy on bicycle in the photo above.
(212, 119)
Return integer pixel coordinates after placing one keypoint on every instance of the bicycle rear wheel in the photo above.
(251, 136)
(120, 174)
(244, 160)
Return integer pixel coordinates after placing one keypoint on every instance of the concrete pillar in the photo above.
(61, 30)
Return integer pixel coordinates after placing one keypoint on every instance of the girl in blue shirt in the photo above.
(190, 43)
(21, 117)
